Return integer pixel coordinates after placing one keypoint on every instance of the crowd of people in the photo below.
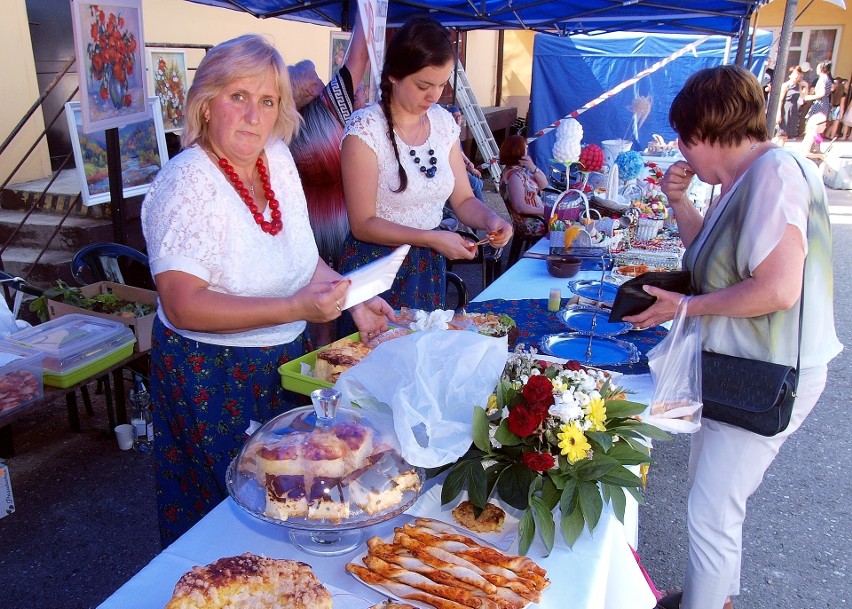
(285, 184)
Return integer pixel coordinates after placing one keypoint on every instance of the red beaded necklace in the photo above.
(274, 227)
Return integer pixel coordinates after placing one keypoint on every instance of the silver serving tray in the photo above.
(605, 351)
(592, 320)
(591, 289)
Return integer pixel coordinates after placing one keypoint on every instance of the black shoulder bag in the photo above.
(752, 394)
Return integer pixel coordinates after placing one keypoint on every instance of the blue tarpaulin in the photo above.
(563, 17)
(567, 73)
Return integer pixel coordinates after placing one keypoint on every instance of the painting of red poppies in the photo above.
(108, 42)
(167, 79)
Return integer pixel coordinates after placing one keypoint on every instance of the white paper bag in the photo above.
(429, 382)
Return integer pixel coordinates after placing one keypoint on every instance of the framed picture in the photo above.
(339, 44)
(167, 79)
(143, 153)
(108, 42)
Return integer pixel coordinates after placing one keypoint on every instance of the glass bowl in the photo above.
(325, 473)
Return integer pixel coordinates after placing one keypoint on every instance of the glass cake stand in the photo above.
(324, 473)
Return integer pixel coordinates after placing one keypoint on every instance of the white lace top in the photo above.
(195, 222)
(421, 204)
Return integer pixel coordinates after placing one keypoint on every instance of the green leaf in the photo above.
(645, 429)
(636, 494)
(603, 439)
(621, 409)
(546, 526)
(513, 485)
(572, 525)
(480, 430)
(466, 474)
(627, 455)
(504, 436)
(550, 494)
(526, 532)
(591, 503)
(617, 499)
(593, 469)
(569, 496)
(621, 476)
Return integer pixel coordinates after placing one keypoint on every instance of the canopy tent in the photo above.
(569, 72)
(562, 17)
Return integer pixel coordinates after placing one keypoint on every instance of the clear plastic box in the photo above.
(77, 347)
(20, 376)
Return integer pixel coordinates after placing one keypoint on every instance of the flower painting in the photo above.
(167, 78)
(108, 43)
(143, 153)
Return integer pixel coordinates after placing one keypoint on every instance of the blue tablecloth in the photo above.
(534, 321)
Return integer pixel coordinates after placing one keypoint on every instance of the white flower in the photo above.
(492, 431)
(566, 408)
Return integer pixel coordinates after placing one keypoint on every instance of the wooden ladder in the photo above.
(477, 124)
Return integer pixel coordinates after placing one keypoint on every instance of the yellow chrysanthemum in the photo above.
(573, 443)
(559, 386)
(597, 414)
(491, 407)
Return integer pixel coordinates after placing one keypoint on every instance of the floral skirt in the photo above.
(420, 282)
(204, 397)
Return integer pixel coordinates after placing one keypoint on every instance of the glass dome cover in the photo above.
(322, 468)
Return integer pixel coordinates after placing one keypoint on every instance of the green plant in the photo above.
(102, 303)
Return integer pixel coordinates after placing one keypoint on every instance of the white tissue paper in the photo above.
(429, 383)
(438, 319)
(374, 277)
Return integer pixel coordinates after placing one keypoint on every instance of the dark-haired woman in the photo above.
(401, 162)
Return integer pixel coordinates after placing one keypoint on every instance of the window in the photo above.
(811, 44)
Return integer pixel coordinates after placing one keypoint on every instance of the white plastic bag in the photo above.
(8, 324)
(429, 382)
(675, 365)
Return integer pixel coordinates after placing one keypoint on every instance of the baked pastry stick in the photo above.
(401, 590)
(443, 573)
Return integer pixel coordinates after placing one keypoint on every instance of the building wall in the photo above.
(809, 14)
(19, 90)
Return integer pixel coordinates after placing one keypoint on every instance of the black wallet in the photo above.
(631, 298)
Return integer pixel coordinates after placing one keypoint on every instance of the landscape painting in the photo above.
(143, 153)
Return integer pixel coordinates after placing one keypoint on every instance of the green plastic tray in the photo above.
(300, 383)
(64, 381)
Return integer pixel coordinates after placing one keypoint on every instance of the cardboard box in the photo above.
(7, 502)
(141, 326)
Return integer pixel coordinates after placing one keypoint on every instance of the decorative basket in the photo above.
(647, 228)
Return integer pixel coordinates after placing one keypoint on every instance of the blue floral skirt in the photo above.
(204, 397)
(420, 282)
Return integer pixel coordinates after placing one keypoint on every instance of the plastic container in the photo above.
(20, 376)
(293, 379)
(77, 347)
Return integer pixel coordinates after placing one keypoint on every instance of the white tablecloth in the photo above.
(599, 572)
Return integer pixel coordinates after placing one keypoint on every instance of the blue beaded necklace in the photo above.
(430, 171)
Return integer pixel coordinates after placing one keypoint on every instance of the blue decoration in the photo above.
(629, 163)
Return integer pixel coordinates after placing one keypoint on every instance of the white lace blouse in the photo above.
(195, 222)
(421, 204)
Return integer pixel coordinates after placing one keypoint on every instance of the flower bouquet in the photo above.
(554, 435)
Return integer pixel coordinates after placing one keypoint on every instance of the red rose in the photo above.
(539, 412)
(522, 422)
(573, 364)
(538, 462)
(538, 391)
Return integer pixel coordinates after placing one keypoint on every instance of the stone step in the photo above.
(75, 232)
(52, 265)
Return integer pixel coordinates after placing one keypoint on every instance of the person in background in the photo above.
(817, 116)
(474, 176)
(748, 255)
(809, 78)
(838, 106)
(788, 111)
(237, 274)
(402, 162)
(316, 147)
(845, 131)
(520, 186)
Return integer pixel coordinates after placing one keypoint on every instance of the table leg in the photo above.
(120, 402)
(73, 414)
(7, 448)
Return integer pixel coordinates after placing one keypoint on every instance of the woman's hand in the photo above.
(499, 232)
(660, 312)
(676, 182)
(452, 245)
(371, 317)
(321, 301)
